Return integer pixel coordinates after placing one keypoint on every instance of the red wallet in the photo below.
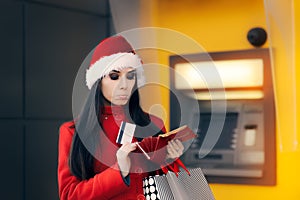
(183, 133)
(150, 146)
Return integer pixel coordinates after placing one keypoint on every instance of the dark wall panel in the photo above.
(11, 77)
(57, 42)
(43, 43)
(93, 6)
(12, 162)
(41, 160)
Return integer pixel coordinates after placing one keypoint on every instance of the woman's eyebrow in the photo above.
(116, 71)
(131, 71)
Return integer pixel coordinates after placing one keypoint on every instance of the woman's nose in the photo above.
(123, 82)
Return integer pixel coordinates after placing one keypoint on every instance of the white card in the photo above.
(126, 133)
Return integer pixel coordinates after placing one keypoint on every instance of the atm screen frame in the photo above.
(269, 166)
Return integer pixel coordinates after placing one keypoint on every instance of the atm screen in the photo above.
(227, 138)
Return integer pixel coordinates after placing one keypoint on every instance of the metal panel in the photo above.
(11, 70)
(57, 42)
(94, 6)
(12, 162)
(41, 160)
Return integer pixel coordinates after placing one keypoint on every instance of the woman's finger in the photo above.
(174, 149)
(170, 149)
(126, 148)
(172, 152)
(177, 145)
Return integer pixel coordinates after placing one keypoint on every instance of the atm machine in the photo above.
(227, 98)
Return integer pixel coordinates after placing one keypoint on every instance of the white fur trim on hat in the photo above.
(106, 64)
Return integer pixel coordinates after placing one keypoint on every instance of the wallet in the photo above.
(183, 133)
(151, 146)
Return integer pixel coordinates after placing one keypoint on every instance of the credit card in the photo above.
(126, 133)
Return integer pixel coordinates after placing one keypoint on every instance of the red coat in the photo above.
(108, 182)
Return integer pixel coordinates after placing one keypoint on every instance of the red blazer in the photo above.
(108, 182)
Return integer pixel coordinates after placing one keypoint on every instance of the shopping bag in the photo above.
(182, 187)
(156, 188)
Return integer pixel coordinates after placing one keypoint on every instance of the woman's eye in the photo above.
(130, 75)
(114, 76)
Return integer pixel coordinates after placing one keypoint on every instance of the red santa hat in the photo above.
(113, 53)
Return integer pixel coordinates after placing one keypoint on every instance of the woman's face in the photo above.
(117, 86)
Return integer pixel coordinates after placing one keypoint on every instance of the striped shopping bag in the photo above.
(181, 187)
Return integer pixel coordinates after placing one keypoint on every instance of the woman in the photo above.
(91, 164)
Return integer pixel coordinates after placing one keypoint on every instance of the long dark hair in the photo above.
(81, 161)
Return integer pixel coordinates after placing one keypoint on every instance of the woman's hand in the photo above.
(174, 149)
(123, 157)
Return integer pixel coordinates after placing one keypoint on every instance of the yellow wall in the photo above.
(297, 62)
(222, 25)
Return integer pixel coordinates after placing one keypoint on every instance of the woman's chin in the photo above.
(120, 102)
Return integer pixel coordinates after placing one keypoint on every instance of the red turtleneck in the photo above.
(108, 182)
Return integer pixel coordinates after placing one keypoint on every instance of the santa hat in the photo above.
(113, 53)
